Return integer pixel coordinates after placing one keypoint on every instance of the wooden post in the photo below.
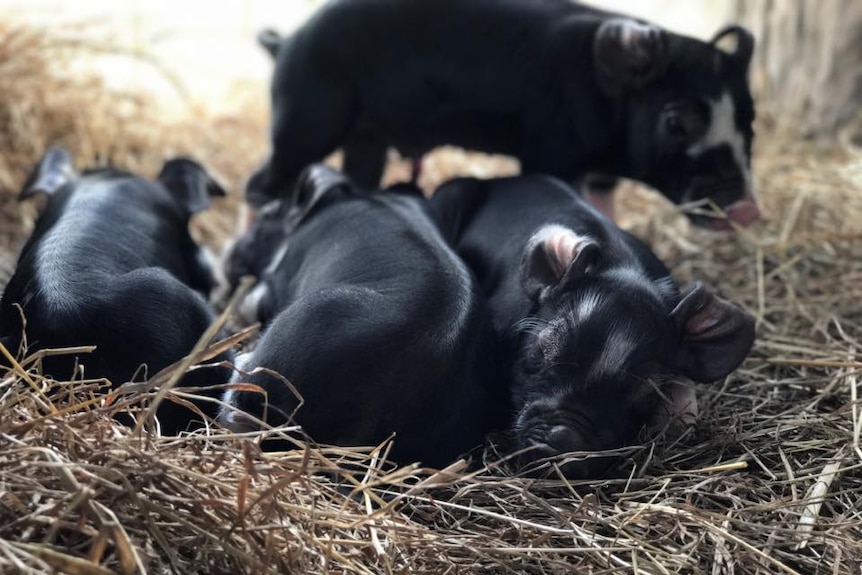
(807, 67)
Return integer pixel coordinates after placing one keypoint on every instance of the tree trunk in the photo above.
(807, 67)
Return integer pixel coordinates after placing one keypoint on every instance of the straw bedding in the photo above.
(768, 481)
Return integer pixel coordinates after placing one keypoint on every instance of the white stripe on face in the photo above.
(723, 132)
(248, 308)
(588, 305)
(663, 289)
(276, 259)
(618, 347)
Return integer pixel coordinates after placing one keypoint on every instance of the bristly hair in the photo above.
(530, 325)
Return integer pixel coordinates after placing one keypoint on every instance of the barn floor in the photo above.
(768, 481)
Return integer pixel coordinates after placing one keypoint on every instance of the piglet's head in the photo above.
(253, 251)
(260, 248)
(602, 330)
(687, 111)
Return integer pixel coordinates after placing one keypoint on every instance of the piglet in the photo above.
(374, 322)
(111, 263)
(599, 334)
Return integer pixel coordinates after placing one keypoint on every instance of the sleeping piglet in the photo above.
(597, 330)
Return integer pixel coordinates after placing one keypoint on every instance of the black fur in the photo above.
(585, 332)
(376, 323)
(111, 264)
(544, 80)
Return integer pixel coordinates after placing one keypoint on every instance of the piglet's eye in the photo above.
(674, 125)
(684, 122)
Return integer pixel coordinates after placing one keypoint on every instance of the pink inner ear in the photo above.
(704, 320)
(635, 37)
(562, 248)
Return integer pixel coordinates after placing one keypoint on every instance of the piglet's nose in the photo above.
(744, 212)
(238, 421)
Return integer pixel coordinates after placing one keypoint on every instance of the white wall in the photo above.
(208, 47)
(699, 18)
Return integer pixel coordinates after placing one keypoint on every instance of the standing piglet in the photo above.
(561, 86)
(593, 321)
(372, 319)
(111, 264)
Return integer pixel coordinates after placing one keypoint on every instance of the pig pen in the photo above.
(768, 481)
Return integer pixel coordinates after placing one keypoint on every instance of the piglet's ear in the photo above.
(716, 334)
(628, 54)
(744, 50)
(316, 183)
(53, 171)
(556, 257)
(269, 40)
(190, 183)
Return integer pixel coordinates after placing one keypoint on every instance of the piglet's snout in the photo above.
(238, 421)
(545, 431)
(563, 439)
(232, 416)
(551, 433)
(744, 212)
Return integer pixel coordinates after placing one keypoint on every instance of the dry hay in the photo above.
(769, 480)
(49, 99)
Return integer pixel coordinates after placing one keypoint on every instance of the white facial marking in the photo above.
(225, 414)
(213, 263)
(227, 397)
(242, 361)
(636, 277)
(723, 131)
(208, 259)
(588, 305)
(619, 345)
(277, 259)
(247, 310)
(229, 414)
(233, 419)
